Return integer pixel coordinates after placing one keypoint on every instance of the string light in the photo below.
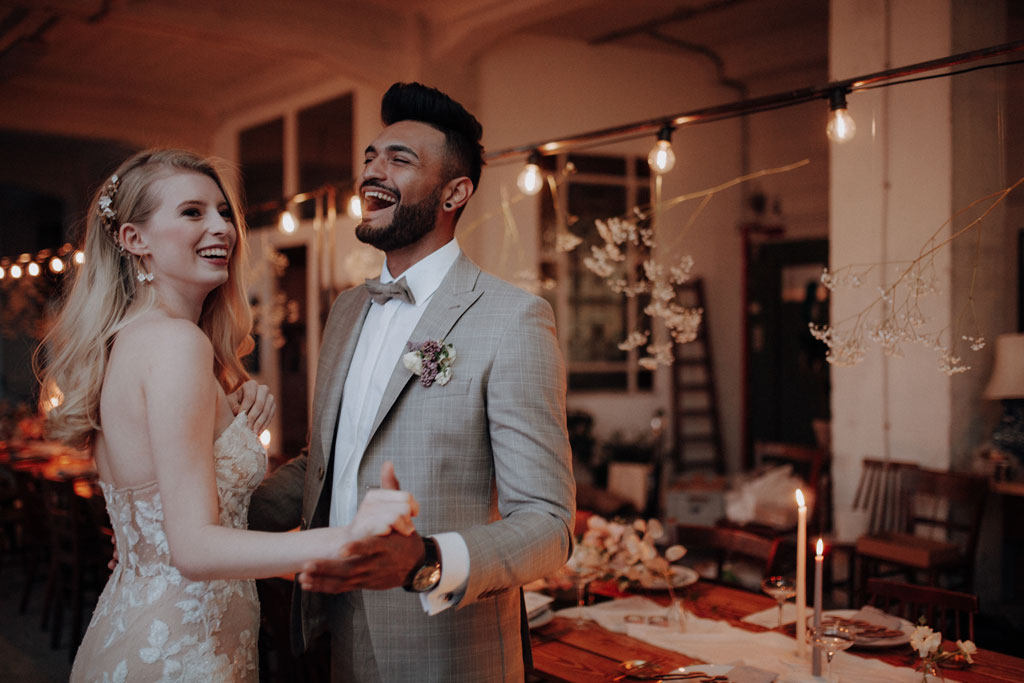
(15, 271)
(840, 124)
(531, 179)
(79, 257)
(3, 272)
(662, 159)
(56, 265)
(33, 269)
(286, 223)
(355, 207)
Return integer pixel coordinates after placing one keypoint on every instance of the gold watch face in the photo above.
(426, 578)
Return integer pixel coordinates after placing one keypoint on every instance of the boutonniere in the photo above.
(431, 361)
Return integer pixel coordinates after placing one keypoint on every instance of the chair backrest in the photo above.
(728, 543)
(951, 501)
(880, 492)
(941, 608)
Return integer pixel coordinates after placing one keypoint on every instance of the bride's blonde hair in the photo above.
(71, 362)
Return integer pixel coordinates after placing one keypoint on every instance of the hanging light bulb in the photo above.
(3, 272)
(56, 265)
(79, 257)
(840, 124)
(355, 207)
(33, 269)
(16, 271)
(286, 223)
(531, 179)
(662, 159)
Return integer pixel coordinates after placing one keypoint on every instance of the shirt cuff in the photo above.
(454, 573)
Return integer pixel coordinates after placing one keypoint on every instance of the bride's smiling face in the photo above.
(191, 234)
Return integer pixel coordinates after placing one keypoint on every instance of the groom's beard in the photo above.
(408, 225)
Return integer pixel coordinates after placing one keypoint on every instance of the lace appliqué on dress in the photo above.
(153, 624)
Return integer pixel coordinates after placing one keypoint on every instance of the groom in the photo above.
(473, 420)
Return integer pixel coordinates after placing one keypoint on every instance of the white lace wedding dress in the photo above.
(151, 623)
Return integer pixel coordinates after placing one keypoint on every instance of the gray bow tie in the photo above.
(382, 292)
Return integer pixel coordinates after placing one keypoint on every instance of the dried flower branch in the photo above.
(900, 315)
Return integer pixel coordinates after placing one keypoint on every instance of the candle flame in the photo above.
(820, 548)
(800, 498)
(265, 438)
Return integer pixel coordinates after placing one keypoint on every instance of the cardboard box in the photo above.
(696, 500)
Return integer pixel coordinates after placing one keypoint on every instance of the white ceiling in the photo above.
(163, 70)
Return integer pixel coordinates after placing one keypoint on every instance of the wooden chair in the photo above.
(727, 543)
(79, 551)
(32, 532)
(938, 606)
(940, 514)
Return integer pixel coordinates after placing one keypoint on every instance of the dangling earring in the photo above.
(143, 277)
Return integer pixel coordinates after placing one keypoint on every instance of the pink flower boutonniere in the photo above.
(432, 360)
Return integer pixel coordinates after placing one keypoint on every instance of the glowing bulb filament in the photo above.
(286, 223)
(530, 179)
(355, 207)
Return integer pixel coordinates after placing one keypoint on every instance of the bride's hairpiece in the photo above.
(105, 206)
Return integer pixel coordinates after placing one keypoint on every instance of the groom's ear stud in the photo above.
(447, 205)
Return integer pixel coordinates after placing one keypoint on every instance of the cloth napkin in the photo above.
(769, 618)
(718, 642)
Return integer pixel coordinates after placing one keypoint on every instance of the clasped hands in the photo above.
(386, 548)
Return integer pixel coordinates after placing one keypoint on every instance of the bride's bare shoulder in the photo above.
(154, 335)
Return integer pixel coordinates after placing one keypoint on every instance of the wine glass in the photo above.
(583, 567)
(782, 588)
(831, 638)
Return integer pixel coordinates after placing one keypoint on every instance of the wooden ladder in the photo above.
(698, 433)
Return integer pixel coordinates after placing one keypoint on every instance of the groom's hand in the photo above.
(373, 562)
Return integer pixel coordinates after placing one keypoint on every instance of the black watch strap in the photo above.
(427, 574)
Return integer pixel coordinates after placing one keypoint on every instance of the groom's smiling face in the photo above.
(401, 184)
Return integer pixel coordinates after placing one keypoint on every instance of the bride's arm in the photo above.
(181, 404)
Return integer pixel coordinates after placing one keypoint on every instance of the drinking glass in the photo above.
(581, 577)
(782, 588)
(831, 638)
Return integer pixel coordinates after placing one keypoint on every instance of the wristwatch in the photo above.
(427, 574)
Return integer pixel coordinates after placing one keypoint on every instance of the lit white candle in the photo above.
(819, 562)
(801, 574)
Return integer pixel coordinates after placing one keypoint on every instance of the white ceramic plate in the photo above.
(904, 626)
(681, 577)
(542, 618)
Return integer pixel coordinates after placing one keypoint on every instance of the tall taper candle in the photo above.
(819, 561)
(801, 574)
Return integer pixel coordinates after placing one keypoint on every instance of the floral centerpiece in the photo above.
(626, 552)
(926, 642)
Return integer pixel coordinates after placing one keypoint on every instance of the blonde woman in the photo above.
(143, 358)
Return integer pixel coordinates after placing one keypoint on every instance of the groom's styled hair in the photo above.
(462, 132)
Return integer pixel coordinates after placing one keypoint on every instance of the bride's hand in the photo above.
(258, 403)
(385, 508)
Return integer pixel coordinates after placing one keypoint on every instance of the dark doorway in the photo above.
(788, 378)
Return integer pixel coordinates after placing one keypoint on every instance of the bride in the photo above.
(141, 361)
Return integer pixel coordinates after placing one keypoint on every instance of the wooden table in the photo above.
(562, 652)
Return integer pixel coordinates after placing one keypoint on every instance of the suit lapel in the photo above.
(453, 297)
(336, 369)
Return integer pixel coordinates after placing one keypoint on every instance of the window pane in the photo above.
(325, 145)
(261, 155)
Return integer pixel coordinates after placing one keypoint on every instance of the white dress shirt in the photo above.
(382, 342)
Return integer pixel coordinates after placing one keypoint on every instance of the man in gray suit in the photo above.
(455, 377)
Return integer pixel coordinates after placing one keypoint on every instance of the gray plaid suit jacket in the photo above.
(486, 455)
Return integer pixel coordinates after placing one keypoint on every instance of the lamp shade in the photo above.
(1007, 379)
